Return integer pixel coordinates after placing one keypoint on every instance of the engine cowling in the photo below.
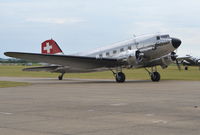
(128, 56)
(163, 61)
(168, 59)
(132, 57)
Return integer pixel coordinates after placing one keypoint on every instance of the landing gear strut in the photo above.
(119, 76)
(155, 76)
(60, 77)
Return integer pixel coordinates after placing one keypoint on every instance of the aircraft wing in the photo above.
(82, 62)
(187, 59)
(183, 58)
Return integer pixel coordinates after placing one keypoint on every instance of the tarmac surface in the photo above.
(100, 107)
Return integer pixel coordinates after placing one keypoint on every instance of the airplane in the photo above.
(189, 60)
(145, 51)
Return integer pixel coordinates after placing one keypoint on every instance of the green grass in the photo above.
(171, 73)
(4, 84)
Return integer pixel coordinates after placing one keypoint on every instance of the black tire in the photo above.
(186, 68)
(120, 77)
(155, 77)
(60, 77)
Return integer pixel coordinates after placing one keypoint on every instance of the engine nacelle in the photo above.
(129, 56)
(144, 54)
(166, 60)
(132, 57)
(162, 61)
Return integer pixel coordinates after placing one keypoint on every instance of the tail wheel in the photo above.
(120, 77)
(60, 77)
(155, 77)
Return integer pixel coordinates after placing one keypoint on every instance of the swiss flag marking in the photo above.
(48, 47)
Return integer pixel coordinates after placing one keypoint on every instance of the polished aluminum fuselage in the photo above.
(155, 46)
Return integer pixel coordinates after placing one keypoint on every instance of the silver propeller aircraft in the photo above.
(147, 51)
(189, 60)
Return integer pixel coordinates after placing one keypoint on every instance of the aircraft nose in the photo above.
(176, 42)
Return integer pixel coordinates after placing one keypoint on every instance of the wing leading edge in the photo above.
(67, 60)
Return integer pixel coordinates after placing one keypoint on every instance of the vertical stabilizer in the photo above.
(50, 47)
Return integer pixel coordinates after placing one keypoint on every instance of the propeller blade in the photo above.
(178, 65)
(174, 58)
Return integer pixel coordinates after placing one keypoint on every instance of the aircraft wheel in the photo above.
(120, 77)
(186, 68)
(60, 77)
(155, 77)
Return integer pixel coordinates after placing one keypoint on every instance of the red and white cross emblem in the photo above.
(48, 47)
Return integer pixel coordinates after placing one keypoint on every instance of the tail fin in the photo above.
(50, 47)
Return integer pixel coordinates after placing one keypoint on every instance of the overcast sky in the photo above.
(82, 25)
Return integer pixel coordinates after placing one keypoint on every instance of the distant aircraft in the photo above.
(147, 51)
(189, 60)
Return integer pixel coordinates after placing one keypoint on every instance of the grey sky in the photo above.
(82, 25)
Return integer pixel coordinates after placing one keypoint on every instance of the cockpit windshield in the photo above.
(164, 36)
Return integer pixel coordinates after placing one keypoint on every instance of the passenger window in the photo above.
(107, 54)
(100, 55)
(129, 48)
(114, 51)
(122, 49)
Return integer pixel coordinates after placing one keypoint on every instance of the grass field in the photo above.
(171, 73)
(4, 84)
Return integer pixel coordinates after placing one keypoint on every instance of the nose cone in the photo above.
(176, 42)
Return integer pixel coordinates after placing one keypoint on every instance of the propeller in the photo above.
(139, 55)
(174, 58)
(178, 65)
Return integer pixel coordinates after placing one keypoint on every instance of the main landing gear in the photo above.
(155, 76)
(60, 77)
(119, 76)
